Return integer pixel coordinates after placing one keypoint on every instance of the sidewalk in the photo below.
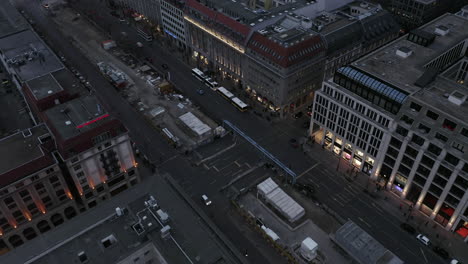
(392, 204)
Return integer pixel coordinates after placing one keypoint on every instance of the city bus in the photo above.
(225, 93)
(239, 104)
(198, 74)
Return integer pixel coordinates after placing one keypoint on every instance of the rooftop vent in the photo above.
(404, 52)
(49, 92)
(441, 30)
(457, 98)
(364, 5)
(82, 257)
(27, 133)
(108, 241)
(68, 122)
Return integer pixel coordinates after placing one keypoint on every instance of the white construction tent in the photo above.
(196, 125)
(280, 200)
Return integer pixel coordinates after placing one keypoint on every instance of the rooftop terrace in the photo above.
(28, 55)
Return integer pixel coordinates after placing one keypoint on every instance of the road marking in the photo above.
(216, 169)
(378, 208)
(212, 182)
(340, 203)
(362, 220)
(235, 162)
(424, 255)
(309, 169)
(350, 192)
(206, 166)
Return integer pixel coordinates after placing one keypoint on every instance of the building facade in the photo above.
(279, 56)
(411, 94)
(173, 22)
(414, 13)
(95, 149)
(34, 195)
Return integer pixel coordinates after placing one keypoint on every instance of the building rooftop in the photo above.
(362, 247)
(77, 116)
(113, 239)
(22, 149)
(54, 82)
(402, 62)
(28, 55)
(11, 21)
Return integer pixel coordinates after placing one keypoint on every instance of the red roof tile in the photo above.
(286, 56)
(220, 18)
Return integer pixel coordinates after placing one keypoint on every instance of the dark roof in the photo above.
(363, 247)
(427, 77)
(218, 17)
(344, 37)
(28, 55)
(77, 116)
(23, 154)
(11, 21)
(286, 56)
(379, 26)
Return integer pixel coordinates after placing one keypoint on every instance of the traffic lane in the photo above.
(197, 180)
(139, 128)
(273, 138)
(385, 228)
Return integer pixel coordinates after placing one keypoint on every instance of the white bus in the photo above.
(239, 104)
(225, 93)
(198, 74)
(210, 83)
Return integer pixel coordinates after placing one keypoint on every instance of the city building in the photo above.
(95, 150)
(280, 55)
(173, 22)
(399, 114)
(34, 195)
(414, 13)
(131, 234)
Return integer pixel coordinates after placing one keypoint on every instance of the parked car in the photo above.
(408, 228)
(201, 91)
(423, 239)
(259, 222)
(206, 200)
(298, 115)
(293, 142)
(441, 252)
(454, 261)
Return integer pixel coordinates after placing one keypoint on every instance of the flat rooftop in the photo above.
(403, 73)
(54, 82)
(362, 247)
(114, 238)
(77, 116)
(28, 55)
(11, 21)
(21, 148)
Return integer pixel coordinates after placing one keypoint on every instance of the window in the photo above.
(395, 142)
(411, 151)
(407, 119)
(434, 149)
(417, 139)
(441, 137)
(451, 159)
(432, 115)
(77, 167)
(424, 129)
(75, 159)
(464, 132)
(458, 147)
(449, 125)
(402, 131)
(427, 161)
(415, 107)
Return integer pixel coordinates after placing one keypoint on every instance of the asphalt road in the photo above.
(273, 137)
